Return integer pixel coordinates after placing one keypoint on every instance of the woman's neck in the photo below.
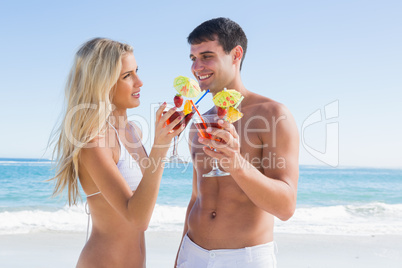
(119, 118)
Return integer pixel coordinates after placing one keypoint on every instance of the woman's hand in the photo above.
(228, 150)
(164, 132)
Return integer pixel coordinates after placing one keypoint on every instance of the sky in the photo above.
(336, 65)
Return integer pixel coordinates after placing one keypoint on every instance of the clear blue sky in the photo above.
(305, 54)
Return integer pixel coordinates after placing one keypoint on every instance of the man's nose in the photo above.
(197, 66)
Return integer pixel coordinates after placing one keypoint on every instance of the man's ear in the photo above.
(237, 53)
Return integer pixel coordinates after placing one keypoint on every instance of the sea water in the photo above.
(356, 201)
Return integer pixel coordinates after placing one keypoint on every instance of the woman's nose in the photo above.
(138, 82)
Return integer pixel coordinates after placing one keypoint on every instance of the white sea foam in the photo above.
(373, 218)
(74, 219)
(365, 219)
(68, 219)
(25, 163)
(167, 218)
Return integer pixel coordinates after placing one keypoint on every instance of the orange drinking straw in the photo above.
(202, 119)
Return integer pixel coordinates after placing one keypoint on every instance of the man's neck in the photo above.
(236, 85)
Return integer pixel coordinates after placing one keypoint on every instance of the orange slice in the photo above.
(187, 107)
(233, 115)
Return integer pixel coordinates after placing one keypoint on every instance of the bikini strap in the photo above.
(93, 194)
(138, 137)
(135, 133)
(117, 133)
(113, 128)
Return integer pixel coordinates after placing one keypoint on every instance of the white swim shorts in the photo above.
(193, 256)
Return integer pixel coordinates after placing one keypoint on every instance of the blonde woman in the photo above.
(100, 148)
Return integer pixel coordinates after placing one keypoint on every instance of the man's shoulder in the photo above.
(265, 106)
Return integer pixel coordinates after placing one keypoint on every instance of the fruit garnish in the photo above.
(178, 100)
(238, 102)
(187, 107)
(233, 115)
(226, 98)
(222, 112)
(187, 87)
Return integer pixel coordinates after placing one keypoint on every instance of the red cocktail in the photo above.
(185, 120)
(202, 129)
(202, 123)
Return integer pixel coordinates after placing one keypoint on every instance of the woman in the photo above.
(99, 146)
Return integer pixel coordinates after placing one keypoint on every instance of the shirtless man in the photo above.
(230, 220)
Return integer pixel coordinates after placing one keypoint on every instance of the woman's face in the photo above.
(127, 92)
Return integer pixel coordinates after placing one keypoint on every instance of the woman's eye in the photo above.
(127, 75)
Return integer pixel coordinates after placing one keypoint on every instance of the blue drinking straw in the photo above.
(202, 96)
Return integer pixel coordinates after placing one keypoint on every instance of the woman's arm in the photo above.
(136, 207)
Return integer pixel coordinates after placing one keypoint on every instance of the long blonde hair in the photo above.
(88, 94)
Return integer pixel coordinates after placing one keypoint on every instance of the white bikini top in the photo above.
(128, 167)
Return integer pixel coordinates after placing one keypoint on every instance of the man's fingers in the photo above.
(220, 146)
(208, 151)
(220, 133)
(229, 127)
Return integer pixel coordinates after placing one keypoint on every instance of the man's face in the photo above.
(213, 68)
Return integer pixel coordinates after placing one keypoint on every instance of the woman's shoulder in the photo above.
(136, 128)
(101, 145)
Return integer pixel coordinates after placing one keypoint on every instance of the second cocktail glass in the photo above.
(175, 158)
(202, 123)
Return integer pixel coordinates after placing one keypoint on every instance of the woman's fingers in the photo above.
(165, 116)
(174, 123)
(160, 111)
(178, 131)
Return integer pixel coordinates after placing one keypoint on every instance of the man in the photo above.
(229, 220)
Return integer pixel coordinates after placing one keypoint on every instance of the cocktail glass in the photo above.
(175, 158)
(202, 123)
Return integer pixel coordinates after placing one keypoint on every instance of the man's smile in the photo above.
(204, 77)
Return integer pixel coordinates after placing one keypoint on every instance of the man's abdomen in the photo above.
(216, 223)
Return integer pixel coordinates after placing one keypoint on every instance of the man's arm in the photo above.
(275, 189)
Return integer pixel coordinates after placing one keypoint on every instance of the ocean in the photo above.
(338, 201)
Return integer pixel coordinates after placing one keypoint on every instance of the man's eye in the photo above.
(192, 59)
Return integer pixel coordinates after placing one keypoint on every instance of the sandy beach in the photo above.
(53, 249)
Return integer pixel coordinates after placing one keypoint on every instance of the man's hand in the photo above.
(228, 150)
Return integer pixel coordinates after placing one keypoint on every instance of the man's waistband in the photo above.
(241, 253)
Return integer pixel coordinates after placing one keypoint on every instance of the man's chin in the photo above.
(214, 90)
(204, 87)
